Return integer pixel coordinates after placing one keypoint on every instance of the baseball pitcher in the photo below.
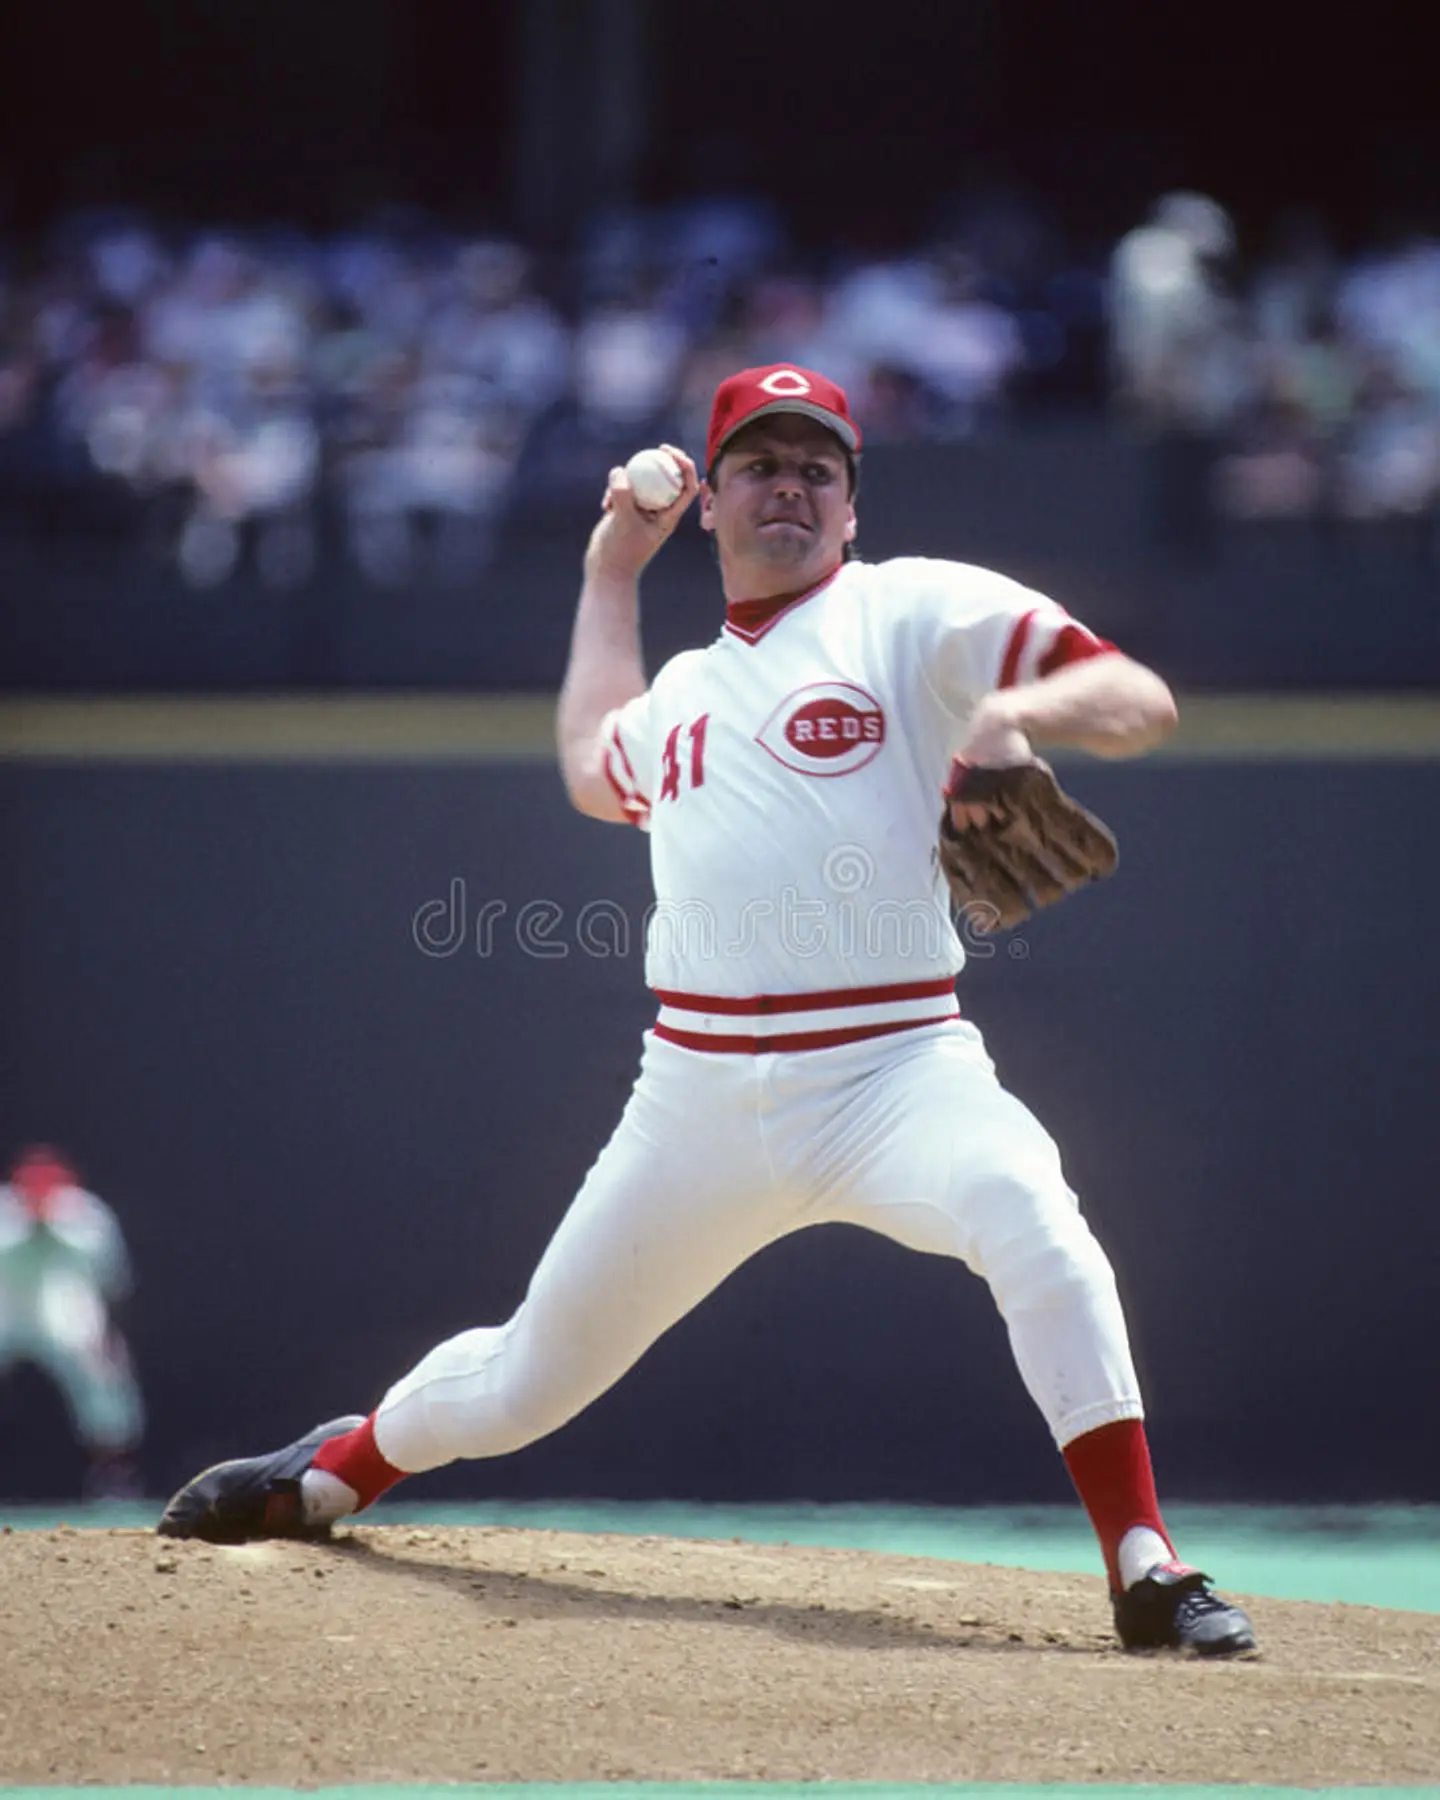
(854, 757)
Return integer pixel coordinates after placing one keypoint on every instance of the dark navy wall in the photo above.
(331, 1148)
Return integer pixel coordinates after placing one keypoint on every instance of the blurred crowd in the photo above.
(1313, 381)
(257, 393)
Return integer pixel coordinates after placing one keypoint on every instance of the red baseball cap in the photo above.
(39, 1171)
(778, 388)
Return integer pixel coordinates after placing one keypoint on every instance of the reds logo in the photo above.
(828, 728)
(785, 382)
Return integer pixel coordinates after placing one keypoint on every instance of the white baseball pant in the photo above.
(717, 1155)
(62, 1326)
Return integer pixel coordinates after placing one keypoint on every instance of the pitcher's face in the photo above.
(779, 506)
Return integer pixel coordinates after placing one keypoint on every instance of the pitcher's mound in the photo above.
(396, 1654)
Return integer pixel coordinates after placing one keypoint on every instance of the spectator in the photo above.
(1178, 357)
(1169, 313)
(628, 358)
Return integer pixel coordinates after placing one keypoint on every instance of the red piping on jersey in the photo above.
(635, 806)
(794, 1040)
(627, 801)
(1072, 644)
(765, 1004)
(1015, 649)
(751, 619)
(619, 744)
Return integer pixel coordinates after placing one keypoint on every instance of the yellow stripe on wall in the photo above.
(507, 727)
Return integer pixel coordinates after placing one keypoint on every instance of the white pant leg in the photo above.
(680, 1196)
(931, 1151)
(100, 1390)
(65, 1331)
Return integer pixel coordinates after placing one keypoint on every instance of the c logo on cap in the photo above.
(785, 382)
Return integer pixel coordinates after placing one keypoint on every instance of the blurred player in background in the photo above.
(63, 1266)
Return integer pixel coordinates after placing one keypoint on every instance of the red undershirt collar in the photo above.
(750, 619)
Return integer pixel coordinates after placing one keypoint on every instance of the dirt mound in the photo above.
(486, 1654)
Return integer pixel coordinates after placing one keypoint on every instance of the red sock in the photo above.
(1110, 1467)
(354, 1459)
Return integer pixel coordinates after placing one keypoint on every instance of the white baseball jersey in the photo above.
(790, 777)
(78, 1241)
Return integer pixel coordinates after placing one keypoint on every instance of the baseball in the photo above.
(655, 479)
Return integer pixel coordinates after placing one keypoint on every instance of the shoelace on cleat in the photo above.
(1198, 1603)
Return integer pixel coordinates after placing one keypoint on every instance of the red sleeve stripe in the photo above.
(1026, 660)
(621, 777)
(619, 744)
(628, 804)
(1014, 650)
(1073, 644)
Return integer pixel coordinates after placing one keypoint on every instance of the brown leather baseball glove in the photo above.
(1036, 847)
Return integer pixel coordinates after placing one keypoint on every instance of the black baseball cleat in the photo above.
(1174, 1607)
(253, 1496)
